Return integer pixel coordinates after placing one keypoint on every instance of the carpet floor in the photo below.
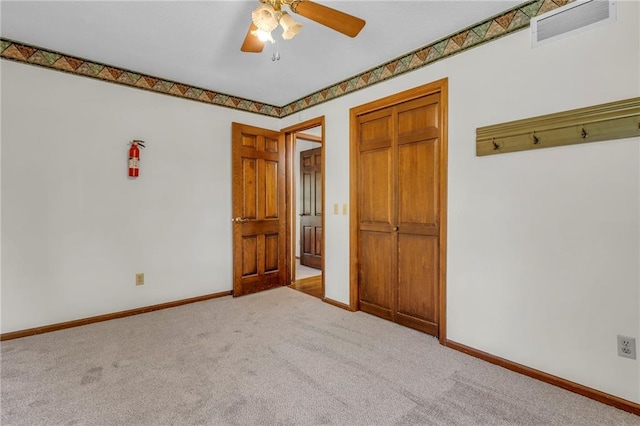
(277, 357)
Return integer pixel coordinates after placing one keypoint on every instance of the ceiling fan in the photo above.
(266, 18)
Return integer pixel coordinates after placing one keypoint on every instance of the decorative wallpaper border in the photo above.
(33, 55)
(493, 28)
(488, 30)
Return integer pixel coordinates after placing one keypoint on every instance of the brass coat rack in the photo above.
(605, 122)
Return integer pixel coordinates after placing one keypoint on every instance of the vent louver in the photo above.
(570, 19)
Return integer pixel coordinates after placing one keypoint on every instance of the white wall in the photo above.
(76, 230)
(543, 247)
(543, 257)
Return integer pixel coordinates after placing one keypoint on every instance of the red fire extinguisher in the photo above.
(134, 158)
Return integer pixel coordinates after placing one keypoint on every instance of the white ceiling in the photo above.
(198, 42)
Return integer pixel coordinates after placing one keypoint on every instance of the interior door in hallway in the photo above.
(398, 212)
(311, 208)
(259, 216)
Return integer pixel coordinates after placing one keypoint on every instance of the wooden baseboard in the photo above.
(337, 304)
(107, 317)
(605, 398)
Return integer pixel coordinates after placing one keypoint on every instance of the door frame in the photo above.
(291, 195)
(439, 86)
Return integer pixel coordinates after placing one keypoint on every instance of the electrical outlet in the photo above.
(627, 347)
(140, 279)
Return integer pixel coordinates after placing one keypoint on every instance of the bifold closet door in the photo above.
(398, 212)
(377, 240)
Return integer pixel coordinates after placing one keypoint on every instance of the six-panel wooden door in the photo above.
(311, 208)
(259, 216)
(398, 212)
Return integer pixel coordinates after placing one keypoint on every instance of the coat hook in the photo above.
(495, 145)
(536, 141)
(584, 133)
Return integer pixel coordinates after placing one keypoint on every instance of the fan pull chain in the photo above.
(275, 48)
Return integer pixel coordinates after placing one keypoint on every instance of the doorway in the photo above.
(306, 155)
(266, 207)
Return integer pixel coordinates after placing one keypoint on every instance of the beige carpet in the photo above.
(277, 357)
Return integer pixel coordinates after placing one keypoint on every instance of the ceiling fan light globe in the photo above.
(263, 36)
(288, 35)
(290, 27)
(264, 17)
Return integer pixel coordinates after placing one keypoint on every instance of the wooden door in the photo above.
(259, 216)
(398, 212)
(311, 208)
(377, 272)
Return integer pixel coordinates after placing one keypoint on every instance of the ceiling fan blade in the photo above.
(332, 18)
(252, 44)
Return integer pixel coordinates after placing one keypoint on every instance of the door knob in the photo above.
(395, 229)
(239, 219)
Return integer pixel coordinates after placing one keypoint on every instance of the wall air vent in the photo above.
(570, 19)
